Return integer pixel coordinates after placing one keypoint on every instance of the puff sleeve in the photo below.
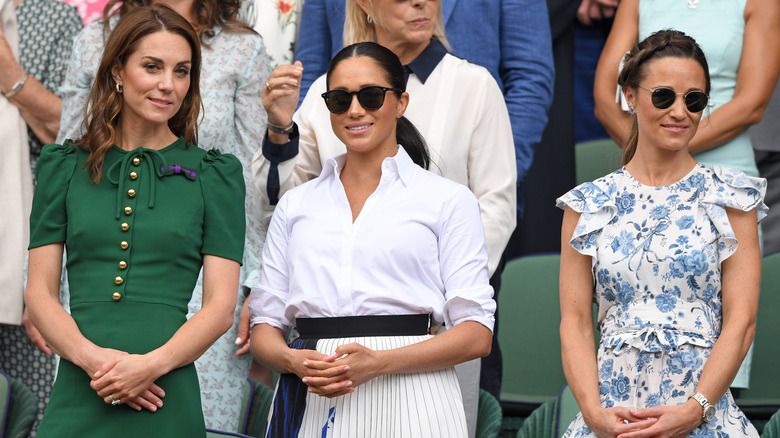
(732, 188)
(49, 218)
(596, 209)
(224, 221)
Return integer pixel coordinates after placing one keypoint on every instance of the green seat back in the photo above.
(529, 333)
(542, 422)
(596, 158)
(567, 410)
(22, 410)
(763, 398)
(489, 416)
(211, 433)
(5, 401)
(772, 427)
(257, 422)
(246, 404)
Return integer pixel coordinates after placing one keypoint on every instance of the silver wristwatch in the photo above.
(709, 410)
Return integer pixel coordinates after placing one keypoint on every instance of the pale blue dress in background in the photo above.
(657, 254)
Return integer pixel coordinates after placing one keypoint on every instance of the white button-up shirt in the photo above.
(417, 246)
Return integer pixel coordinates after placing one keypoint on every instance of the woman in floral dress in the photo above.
(668, 249)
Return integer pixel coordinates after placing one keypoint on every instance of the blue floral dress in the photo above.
(657, 253)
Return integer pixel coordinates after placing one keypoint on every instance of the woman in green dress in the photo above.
(139, 209)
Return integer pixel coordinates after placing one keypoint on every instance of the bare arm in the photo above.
(39, 107)
(740, 288)
(761, 47)
(270, 349)
(622, 37)
(352, 365)
(47, 314)
(129, 375)
(578, 340)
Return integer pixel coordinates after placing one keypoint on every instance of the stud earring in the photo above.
(631, 110)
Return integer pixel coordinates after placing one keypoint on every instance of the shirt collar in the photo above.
(422, 66)
(400, 165)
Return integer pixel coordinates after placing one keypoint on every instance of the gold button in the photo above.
(133, 175)
(116, 296)
(124, 244)
(131, 193)
(128, 210)
(125, 226)
(118, 280)
(136, 161)
(122, 264)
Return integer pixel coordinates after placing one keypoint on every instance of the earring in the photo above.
(631, 110)
(118, 88)
(368, 18)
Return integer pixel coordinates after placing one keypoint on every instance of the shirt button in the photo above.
(128, 210)
(122, 264)
(125, 226)
(131, 193)
(124, 244)
(118, 280)
(133, 175)
(116, 296)
(136, 161)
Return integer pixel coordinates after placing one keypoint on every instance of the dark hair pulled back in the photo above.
(662, 44)
(406, 134)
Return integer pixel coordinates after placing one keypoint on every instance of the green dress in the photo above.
(135, 244)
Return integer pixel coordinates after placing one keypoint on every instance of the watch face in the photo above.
(709, 413)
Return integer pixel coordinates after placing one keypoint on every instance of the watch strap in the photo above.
(17, 87)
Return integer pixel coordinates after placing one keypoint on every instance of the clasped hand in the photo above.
(656, 422)
(350, 366)
(129, 379)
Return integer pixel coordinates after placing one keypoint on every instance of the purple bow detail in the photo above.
(179, 169)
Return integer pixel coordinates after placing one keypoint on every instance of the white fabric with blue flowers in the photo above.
(657, 254)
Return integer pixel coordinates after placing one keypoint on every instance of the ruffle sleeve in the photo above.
(49, 218)
(732, 188)
(222, 183)
(596, 209)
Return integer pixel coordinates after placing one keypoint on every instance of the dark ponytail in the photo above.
(406, 134)
(662, 44)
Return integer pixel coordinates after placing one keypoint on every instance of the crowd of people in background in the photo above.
(227, 184)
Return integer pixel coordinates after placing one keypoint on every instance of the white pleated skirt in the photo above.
(425, 404)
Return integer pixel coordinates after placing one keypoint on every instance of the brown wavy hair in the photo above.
(208, 13)
(661, 44)
(105, 104)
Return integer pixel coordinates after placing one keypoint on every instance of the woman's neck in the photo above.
(659, 167)
(130, 136)
(405, 51)
(366, 167)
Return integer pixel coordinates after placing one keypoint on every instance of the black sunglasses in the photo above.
(370, 98)
(664, 97)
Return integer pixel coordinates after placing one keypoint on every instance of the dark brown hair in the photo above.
(208, 13)
(662, 44)
(105, 103)
(406, 134)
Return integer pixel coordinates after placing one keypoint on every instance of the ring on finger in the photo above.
(267, 87)
(113, 402)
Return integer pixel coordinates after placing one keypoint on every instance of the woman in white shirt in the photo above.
(362, 261)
